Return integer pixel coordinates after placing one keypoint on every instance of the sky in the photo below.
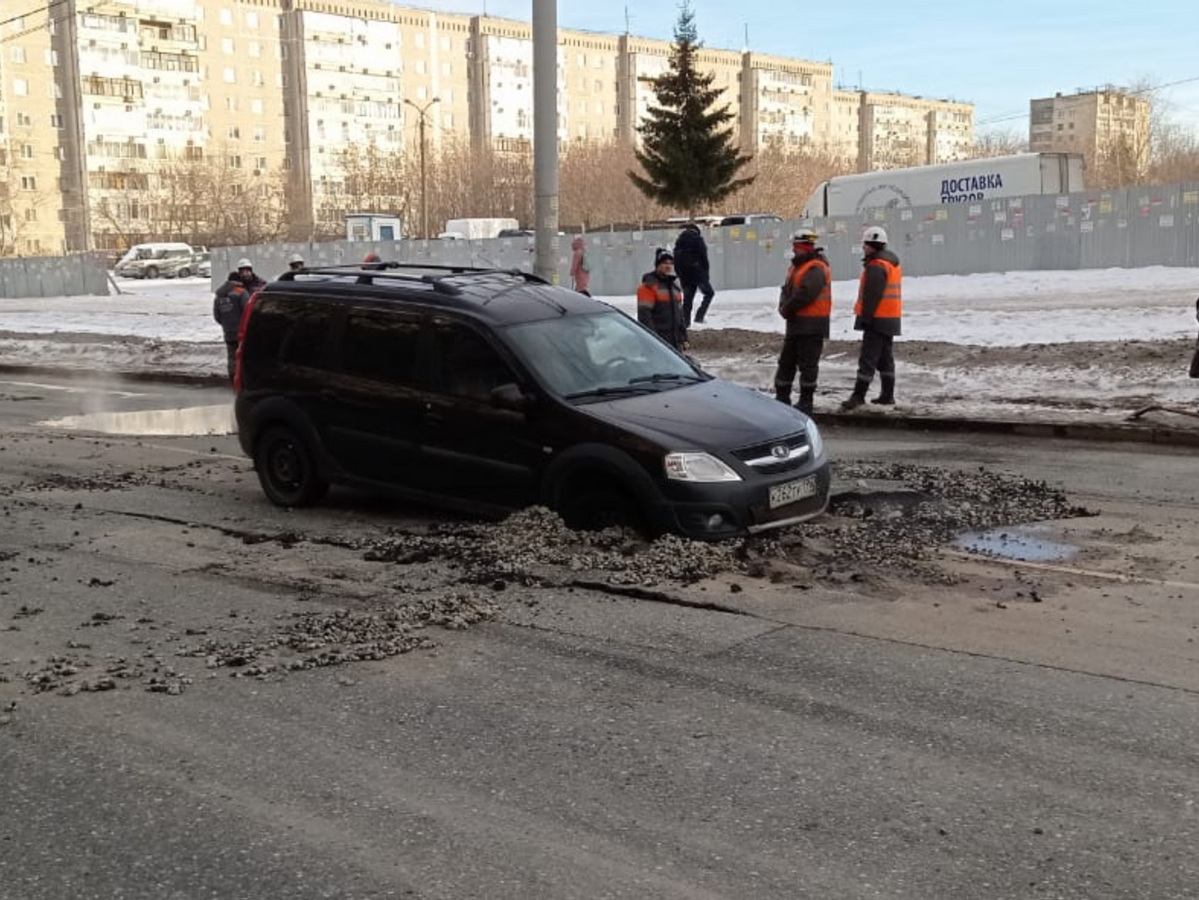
(997, 56)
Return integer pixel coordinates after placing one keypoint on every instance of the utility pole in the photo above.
(424, 186)
(545, 138)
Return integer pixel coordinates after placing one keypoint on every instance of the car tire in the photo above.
(151, 272)
(185, 272)
(596, 503)
(287, 468)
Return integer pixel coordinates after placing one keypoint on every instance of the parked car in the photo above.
(751, 219)
(157, 260)
(491, 390)
(203, 264)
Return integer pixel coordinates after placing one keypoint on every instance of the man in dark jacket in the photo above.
(691, 262)
(806, 303)
(878, 314)
(248, 277)
(660, 302)
(227, 306)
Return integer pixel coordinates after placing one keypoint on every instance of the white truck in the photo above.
(970, 181)
(476, 229)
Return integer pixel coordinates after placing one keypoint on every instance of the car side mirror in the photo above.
(510, 396)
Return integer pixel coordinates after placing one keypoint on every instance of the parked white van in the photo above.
(159, 260)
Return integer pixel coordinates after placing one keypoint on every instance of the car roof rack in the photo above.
(435, 275)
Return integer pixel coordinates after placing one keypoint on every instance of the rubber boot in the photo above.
(857, 398)
(782, 395)
(886, 395)
(806, 398)
(702, 311)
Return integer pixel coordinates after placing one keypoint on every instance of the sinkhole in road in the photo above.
(1019, 543)
(180, 422)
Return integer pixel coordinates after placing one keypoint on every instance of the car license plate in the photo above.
(790, 491)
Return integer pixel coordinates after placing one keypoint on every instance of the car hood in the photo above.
(711, 415)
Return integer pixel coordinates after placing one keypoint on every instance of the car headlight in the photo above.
(698, 467)
(815, 441)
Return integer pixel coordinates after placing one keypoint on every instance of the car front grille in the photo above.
(769, 459)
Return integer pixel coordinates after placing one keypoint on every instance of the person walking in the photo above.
(878, 314)
(660, 302)
(691, 260)
(580, 270)
(806, 303)
(228, 303)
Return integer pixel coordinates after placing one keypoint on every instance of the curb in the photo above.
(1076, 431)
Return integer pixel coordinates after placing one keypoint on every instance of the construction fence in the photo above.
(1092, 230)
(55, 276)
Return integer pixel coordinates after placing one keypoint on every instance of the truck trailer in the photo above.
(970, 181)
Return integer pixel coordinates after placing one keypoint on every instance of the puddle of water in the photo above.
(1014, 543)
(193, 420)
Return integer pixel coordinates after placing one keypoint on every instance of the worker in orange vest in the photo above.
(878, 314)
(806, 303)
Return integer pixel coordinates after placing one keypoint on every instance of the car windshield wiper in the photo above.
(610, 391)
(658, 377)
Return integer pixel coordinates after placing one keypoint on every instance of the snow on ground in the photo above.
(167, 326)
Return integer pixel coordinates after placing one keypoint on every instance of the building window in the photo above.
(256, 78)
(259, 135)
(55, 120)
(31, 214)
(27, 151)
(234, 133)
(231, 104)
(260, 163)
(420, 67)
(235, 162)
(20, 87)
(17, 55)
(226, 17)
(256, 106)
(24, 120)
(254, 49)
(28, 183)
(229, 75)
(251, 20)
(227, 46)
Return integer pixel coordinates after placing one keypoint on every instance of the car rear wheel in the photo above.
(151, 271)
(287, 468)
(185, 272)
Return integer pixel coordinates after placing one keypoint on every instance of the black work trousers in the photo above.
(689, 289)
(875, 355)
(802, 352)
(231, 352)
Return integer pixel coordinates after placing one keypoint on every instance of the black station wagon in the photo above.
(489, 391)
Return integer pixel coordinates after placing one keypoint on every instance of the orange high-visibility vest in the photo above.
(822, 307)
(891, 304)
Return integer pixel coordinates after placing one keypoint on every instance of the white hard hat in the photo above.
(244, 263)
(296, 258)
(875, 235)
(804, 236)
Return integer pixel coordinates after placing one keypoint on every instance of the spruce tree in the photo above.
(687, 153)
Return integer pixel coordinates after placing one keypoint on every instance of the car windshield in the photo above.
(600, 355)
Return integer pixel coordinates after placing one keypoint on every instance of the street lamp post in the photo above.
(424, 196)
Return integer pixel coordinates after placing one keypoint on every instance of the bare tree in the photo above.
(998, 142)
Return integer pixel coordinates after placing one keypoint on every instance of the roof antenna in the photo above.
(626, 21)
(745, 47)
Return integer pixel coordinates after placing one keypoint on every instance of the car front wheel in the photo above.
(592, 505)
(287, 468)
(185, 272)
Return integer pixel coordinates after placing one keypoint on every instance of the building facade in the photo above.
(138, 120)
(1093, 123)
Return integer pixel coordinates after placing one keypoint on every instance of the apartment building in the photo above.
(895, 130)
(131, 120)
(784, 102)
(1093, 123)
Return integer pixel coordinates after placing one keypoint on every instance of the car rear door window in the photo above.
(381, 346)
(465, 364)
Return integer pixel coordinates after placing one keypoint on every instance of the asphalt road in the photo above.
(1022, 729)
